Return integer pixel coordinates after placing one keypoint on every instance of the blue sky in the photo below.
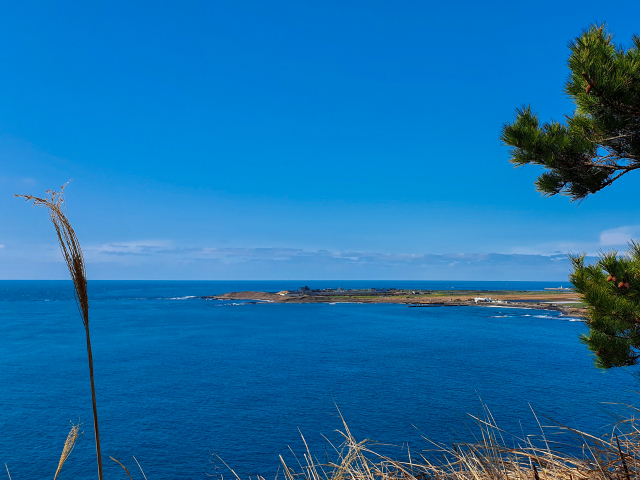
(302, 140)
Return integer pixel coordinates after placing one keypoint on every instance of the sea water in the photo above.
(179, 377)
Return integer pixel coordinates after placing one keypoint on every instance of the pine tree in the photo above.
(600, 142)
(611, 290)
(593, 148)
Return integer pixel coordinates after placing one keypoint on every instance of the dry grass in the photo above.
(69, 245)
(495, 455)
(126, 470)
(69, 443)
(72, 253)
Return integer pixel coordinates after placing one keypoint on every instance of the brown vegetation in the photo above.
(496, 456)
(72, 253)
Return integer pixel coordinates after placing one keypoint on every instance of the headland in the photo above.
(563, 300)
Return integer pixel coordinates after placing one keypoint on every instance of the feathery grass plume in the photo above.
(72, 253)
(69, 443)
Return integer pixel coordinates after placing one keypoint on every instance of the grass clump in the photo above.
(558, 453)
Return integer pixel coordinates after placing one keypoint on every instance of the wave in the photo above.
(556, 317)
(181, 298)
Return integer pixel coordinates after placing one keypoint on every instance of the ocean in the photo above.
(179, 377)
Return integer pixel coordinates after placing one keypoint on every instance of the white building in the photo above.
(482, 299)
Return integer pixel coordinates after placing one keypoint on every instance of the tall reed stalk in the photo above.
(72, 253)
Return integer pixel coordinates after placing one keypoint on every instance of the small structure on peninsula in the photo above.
(482, 299)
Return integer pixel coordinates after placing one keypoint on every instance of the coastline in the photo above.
(566, 303)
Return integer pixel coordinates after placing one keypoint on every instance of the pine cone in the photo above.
(609, 278)
(621, 284)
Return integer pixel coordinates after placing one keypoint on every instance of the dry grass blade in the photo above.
(624, 463)
(69, 444)
(5, 466)
(236, 476)
(145, 477)
(120, 463)
(72, 253)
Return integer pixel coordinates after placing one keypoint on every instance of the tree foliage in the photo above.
(600, 142)
(611, 290)
(590, 150)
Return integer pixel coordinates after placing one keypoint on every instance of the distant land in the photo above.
(561, 299)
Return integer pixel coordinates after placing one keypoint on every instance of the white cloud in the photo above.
(619, 236)
(154, 259)
(127, 253)
(614, 237)
(1, 246)
(556, 248)
(273, 258)
(140, 247)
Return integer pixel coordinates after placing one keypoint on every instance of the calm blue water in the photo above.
(177, 377)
